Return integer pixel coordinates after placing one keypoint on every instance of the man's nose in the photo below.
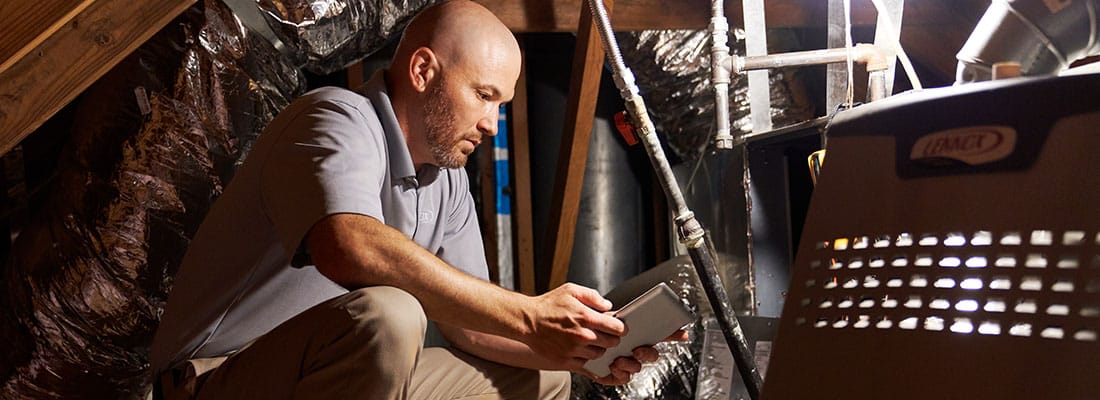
(488, 125)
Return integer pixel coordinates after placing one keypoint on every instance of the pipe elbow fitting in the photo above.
(871, 56)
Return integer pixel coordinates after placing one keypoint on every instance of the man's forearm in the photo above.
(357, 251)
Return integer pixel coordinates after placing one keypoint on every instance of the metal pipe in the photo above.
(719, 65)
(690, 232)
(876, 85)
(870, 55)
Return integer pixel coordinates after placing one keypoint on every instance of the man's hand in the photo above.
(568, 326)
(624, 368)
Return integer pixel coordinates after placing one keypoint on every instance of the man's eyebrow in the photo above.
(493, 89)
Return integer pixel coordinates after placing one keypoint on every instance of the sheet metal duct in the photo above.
(1043, 36)
(611, 233)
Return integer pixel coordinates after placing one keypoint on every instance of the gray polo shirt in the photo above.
(331, 151)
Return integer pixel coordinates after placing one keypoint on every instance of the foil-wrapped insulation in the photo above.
(153, 142)
(328, 35)
(677, 373)
(672, 68)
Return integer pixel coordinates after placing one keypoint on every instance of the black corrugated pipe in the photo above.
(1043, 36)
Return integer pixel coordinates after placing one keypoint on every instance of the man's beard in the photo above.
(442, 136)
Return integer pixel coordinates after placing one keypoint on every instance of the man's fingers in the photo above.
(626, 364)
(604, 323)
(605, 340)
(590, 297)
(591, 352)
(646, 354)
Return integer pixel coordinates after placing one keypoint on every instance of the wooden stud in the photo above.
(520, 155)
(580, 111)
(489, 235)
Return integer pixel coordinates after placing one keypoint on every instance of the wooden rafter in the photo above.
(46, 64)
(520, 156)
(580, 111)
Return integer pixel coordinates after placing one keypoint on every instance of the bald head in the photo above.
(459, 31)
(456, 64)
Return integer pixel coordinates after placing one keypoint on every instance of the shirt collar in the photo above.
(401, 166)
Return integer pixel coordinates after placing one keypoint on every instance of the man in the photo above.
(371, 184)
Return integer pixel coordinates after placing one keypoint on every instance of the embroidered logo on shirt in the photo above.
(425, 217)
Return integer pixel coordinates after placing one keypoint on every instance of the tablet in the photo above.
(649, 318)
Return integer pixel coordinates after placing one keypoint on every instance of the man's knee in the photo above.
(387, 314)
(555, 385)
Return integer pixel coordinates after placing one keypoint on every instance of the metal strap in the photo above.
(756, 44)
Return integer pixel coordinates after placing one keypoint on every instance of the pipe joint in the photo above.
(691, 232)
(871, 56)
(684, 217)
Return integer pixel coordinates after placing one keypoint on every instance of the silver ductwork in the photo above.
(1043, 36)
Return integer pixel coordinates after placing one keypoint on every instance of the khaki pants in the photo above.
(366, 344)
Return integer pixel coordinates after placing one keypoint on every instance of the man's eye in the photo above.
(483, 95)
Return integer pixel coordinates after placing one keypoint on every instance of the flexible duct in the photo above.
(673, 71)
(1043, 36)
(326, 36)
(152, 144)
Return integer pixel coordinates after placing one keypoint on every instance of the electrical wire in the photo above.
(850, 94)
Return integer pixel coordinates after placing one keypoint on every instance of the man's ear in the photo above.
(423, 67)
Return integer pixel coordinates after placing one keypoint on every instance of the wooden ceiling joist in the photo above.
(51, 50)
(580, 113)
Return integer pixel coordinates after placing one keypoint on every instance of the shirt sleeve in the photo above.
(329, 158)
(462, 246)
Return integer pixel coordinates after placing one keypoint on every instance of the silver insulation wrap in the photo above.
(328, 35)
(672, 68)
(153, 142)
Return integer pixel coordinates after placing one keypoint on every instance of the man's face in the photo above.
(449, 145)
(461, 108)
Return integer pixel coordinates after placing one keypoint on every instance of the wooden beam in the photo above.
(561, 15)
(520, 155)
(27, 24)
(580, 111)
(489, 236)
(74, 56)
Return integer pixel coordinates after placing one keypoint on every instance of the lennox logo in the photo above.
(973, 145)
